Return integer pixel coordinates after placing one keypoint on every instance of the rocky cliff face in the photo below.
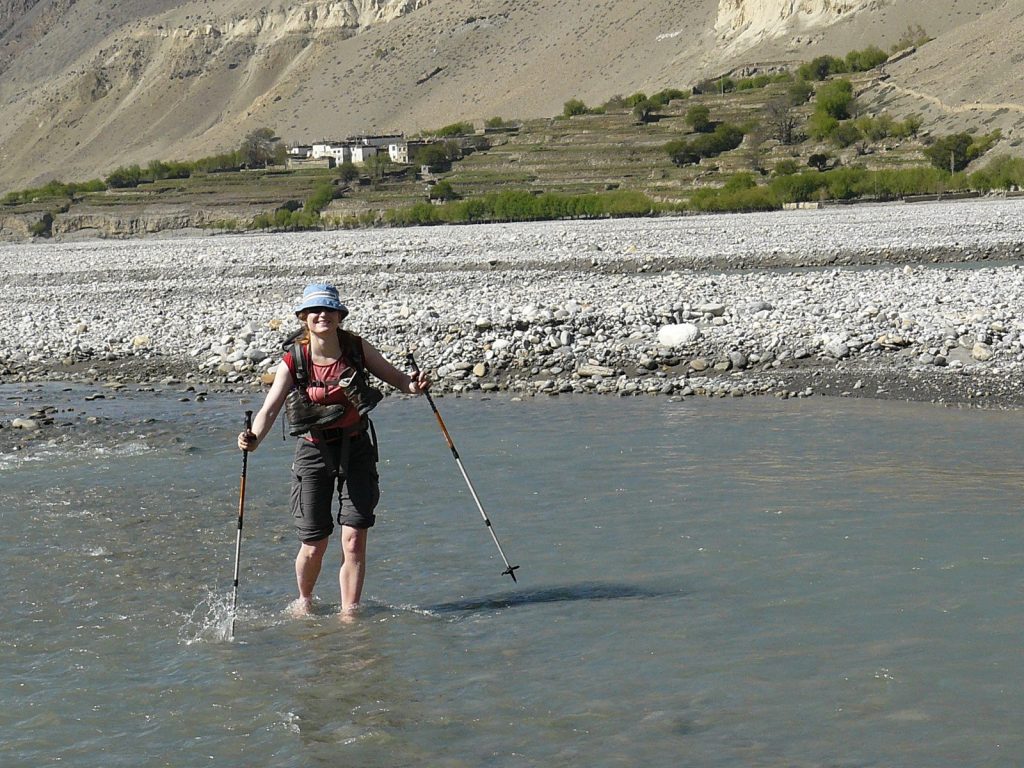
(11, 11)
(747, 22)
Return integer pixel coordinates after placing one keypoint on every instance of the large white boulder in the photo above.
(678, 334)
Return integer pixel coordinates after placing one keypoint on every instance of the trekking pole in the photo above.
(509, 569)
(238, 539)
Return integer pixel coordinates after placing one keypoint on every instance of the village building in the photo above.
(361, 153)
(339, 152)
(404, 152)
(382, 140)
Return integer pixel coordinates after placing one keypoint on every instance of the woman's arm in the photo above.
(249, 441)
(385, 371)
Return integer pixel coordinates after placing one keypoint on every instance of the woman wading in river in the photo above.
(321, 378)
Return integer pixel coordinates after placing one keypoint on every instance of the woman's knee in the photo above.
(313, 550)
(353, 541)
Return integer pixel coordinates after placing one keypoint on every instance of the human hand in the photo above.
(419, 383)
(247, 441)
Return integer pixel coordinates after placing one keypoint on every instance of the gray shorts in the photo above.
(314, 484)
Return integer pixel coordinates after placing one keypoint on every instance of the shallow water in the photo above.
(712, 582)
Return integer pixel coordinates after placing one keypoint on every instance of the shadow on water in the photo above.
(557, 594)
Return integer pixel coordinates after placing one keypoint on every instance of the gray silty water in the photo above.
(713, 582)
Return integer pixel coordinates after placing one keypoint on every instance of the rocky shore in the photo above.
(921, 302)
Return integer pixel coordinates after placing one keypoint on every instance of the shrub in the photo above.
(1003, 172)
(798, 188)
(662, 98)
(454, 129)
(913, 36)
(835, 99)
(320, 198)
(725, 199)
(574, 107)
(876, 128)
(821, 67)
(43, 227)
(740, 181)
(819, 161)
(845, 134)
(762, 81)
(869, 58)
(799, 92)
(698, 117)
(725, 137)
(820, 126)
(124, 177)
(443, 191)
(786, 168)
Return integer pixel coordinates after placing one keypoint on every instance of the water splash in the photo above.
(209, 622)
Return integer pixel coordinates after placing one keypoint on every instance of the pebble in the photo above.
(529, 307)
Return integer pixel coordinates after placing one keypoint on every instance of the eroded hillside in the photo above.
(90, 85)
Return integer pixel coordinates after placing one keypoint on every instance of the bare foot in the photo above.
(350, 613)
(301, 607)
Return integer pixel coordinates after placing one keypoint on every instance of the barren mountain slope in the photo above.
(102, 84)
(971, 79)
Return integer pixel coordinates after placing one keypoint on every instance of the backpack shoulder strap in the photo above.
(299, 361)
(352, 345)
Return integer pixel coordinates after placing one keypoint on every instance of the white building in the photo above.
(342, 153)
(399, 152)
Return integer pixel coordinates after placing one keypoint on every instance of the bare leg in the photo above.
(307, 569)
(353, 566)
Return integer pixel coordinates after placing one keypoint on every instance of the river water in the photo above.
(755, 582)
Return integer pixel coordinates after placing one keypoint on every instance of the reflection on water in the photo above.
(822, 582)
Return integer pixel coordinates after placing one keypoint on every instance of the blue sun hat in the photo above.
(321, 295)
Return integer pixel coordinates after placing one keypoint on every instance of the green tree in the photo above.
(950, 153)
(644, 111)
(819, 161)
(377, 166)
(698, 117)
(434, 155)
(443, 191)
(258, 148)
(347, 171)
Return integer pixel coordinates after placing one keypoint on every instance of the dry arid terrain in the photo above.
(87, 86)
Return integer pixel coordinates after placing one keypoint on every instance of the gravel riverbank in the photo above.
(922, 302)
